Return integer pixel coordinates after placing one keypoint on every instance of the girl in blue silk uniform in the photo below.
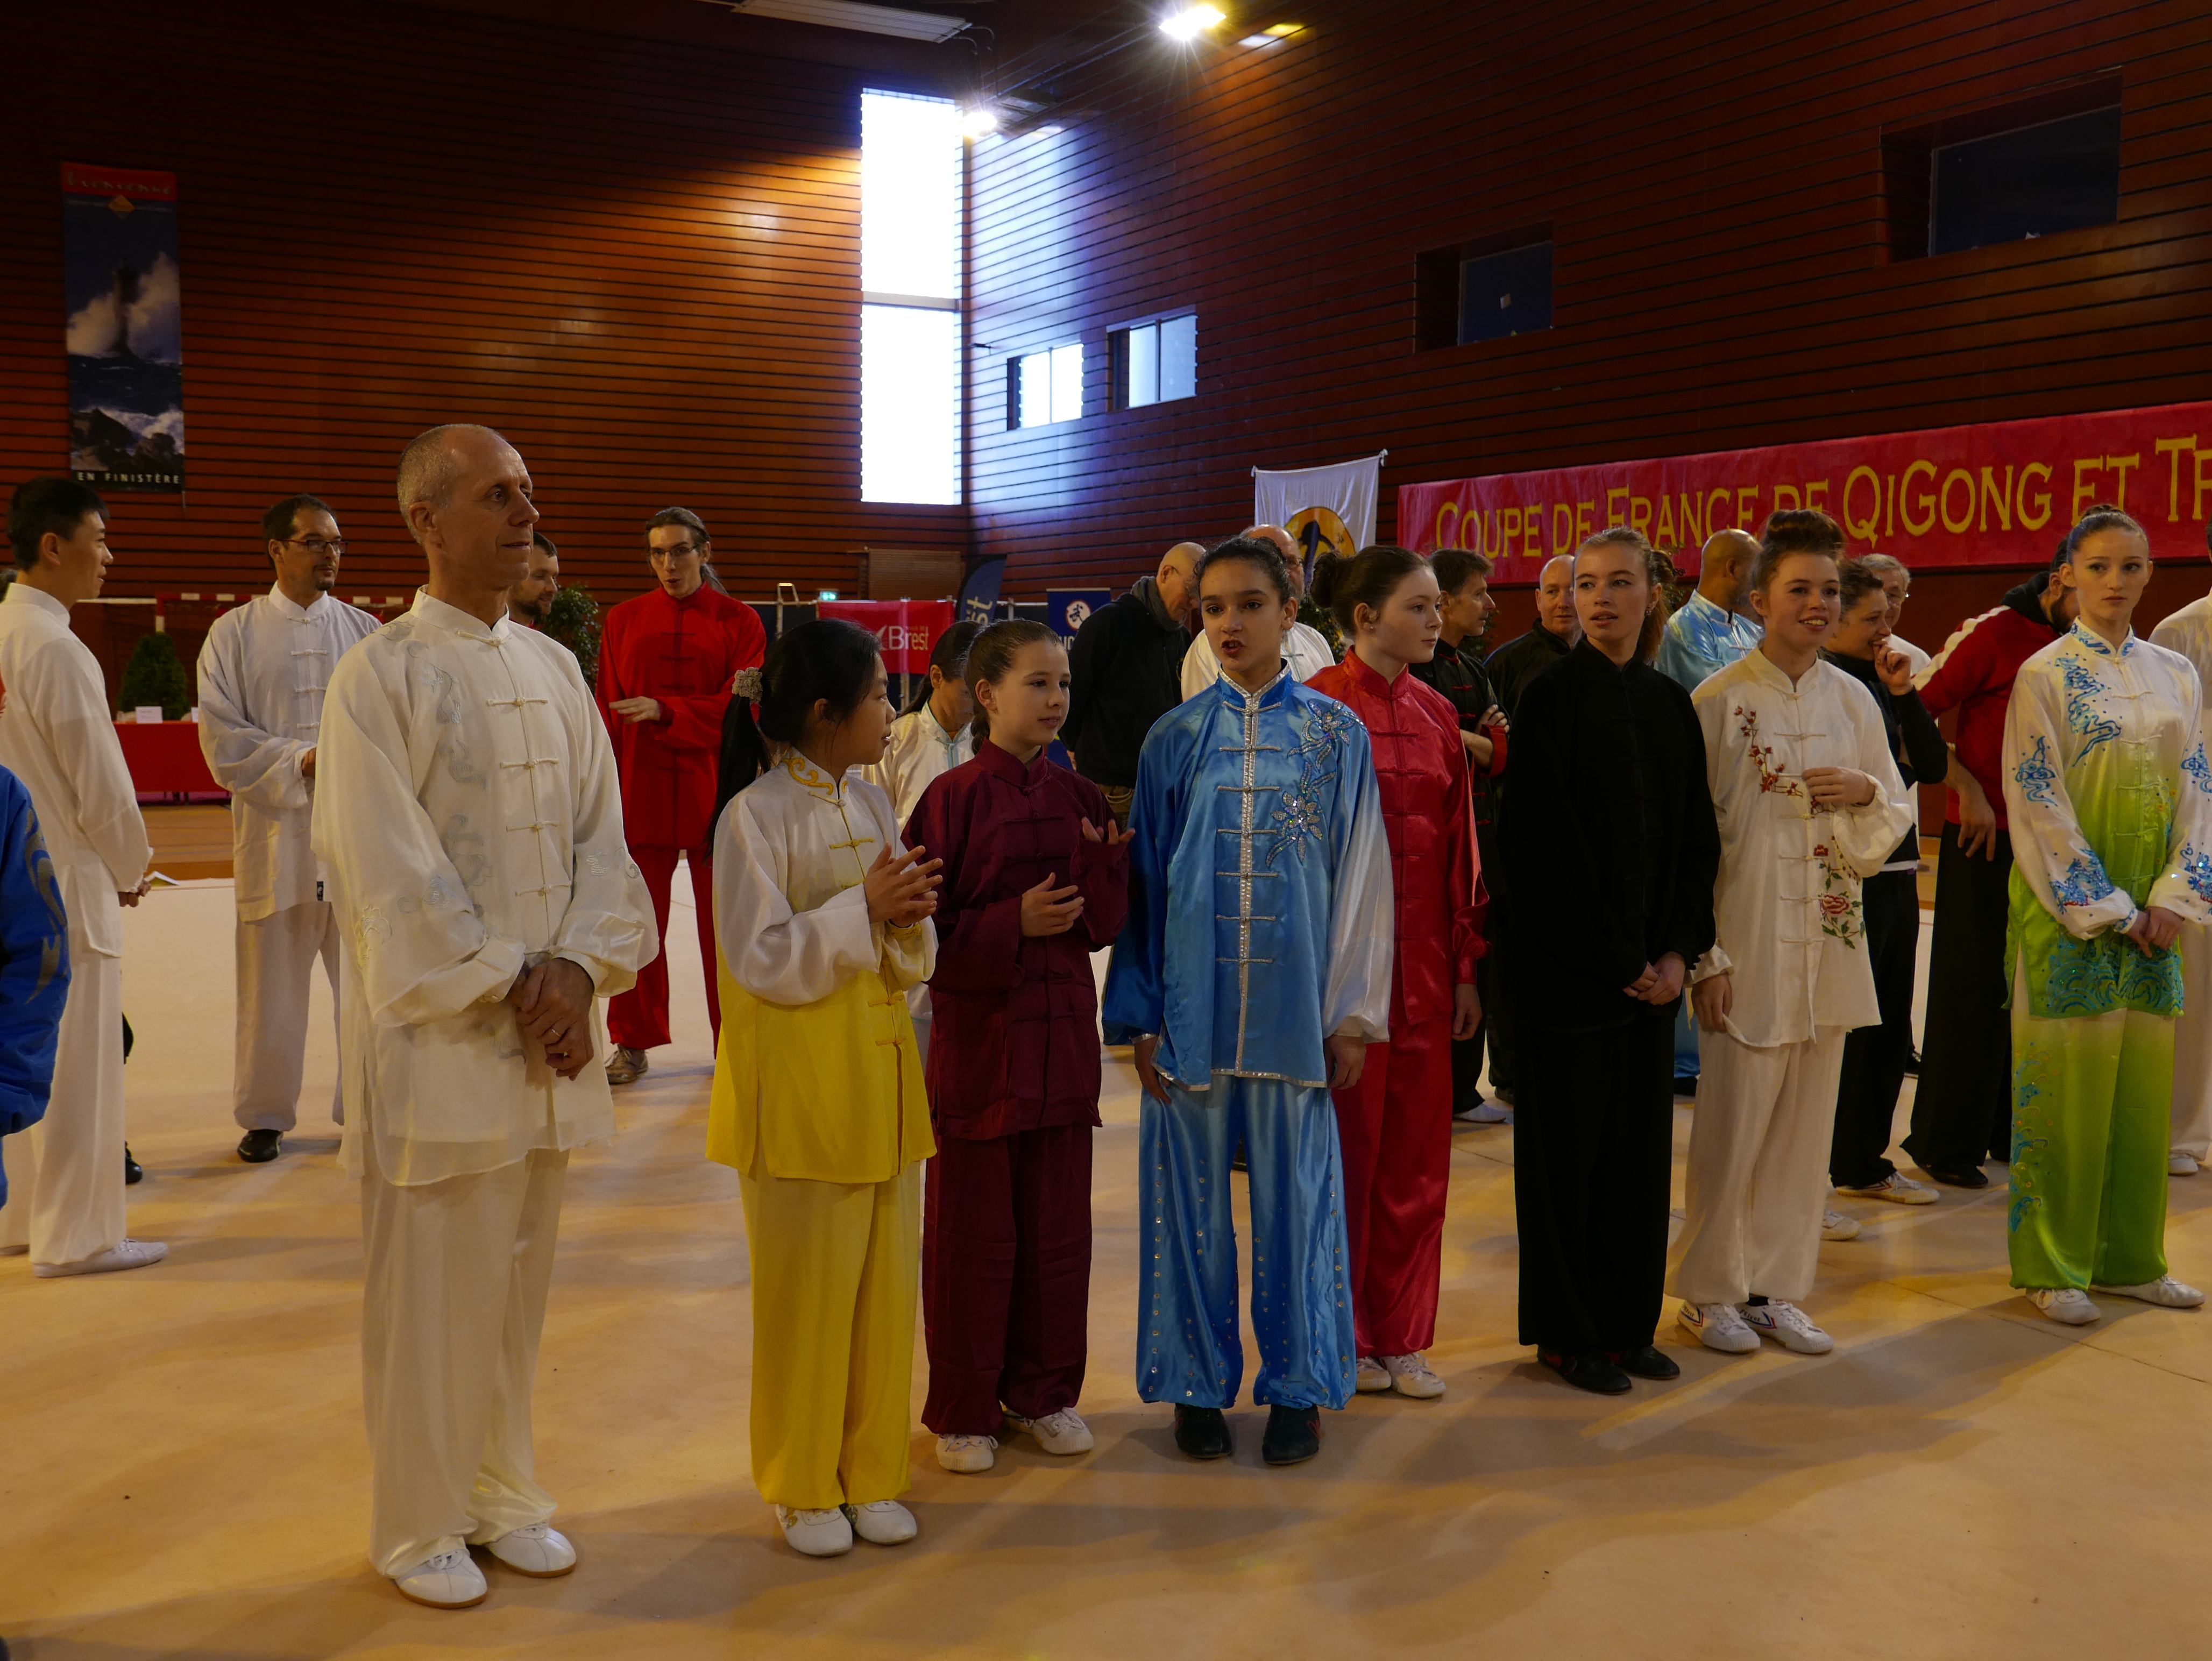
(1253, 973)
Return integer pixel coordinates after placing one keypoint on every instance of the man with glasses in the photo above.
(262, 671)
(666, 662)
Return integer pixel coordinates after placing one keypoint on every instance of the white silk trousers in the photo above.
(2192, 1051)
(453, 1300)
(65, 1172)
(276, 959)
(1757, 1168)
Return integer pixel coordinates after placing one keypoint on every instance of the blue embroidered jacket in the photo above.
(34, 966)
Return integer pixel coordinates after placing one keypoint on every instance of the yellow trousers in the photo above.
(836, 1271)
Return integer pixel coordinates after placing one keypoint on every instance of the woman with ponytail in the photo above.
(818, 1102)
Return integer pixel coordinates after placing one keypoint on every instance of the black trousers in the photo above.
(1875, 1056)
(1962, 1108)
(1491, 1033)
(1593, 1153)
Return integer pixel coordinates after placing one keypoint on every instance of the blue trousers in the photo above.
(1188, 1344)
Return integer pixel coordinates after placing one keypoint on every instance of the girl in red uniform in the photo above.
(1395, 1123)
(1036, 879)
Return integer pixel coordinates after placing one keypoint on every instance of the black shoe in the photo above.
(132, 1171)
(1202, 1433)
(1293, 1435)
(1236, 1161)
(1959, 1176)
(1594, 1372)
(1913, 1063)
(1649, 1362)
(1685, 1084)
(259, 1147)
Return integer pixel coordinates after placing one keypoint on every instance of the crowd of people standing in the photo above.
(1343, 874)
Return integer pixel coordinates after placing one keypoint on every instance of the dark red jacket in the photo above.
(1974, 673)
(684, 653)
(1427, 814)
(1014, 1040)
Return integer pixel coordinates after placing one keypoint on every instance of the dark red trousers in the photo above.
(1395, 1128)
(638, 1019)
(1005, 1277)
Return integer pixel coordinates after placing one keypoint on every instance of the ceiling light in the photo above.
(854, 15)
(1274, 34)
(976, 123)
(1190, 23)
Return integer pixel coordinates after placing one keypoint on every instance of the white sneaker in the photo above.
(1373, 1377)
(14, 1250)
(451, 1580)
(1835, 1226)
(816, 1533)
(1788, 1323)
(1410, 1376)
(967, 1455)
(881, 1522)
(125, 1254)
(2067, 1305)
(537, 1549)
(1717, 1326)
(2165, 1292)
(1896, 1187)
(1485, 1113)
(2178, 1164)
(1062, 1432)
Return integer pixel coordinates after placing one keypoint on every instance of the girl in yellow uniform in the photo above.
(818, 1104)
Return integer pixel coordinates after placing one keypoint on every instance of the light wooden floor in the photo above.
(183, 1473)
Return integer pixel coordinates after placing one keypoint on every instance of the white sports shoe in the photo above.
(1717, 1326)
(1374, 1378)
(2178, 1164)
(451, 1580)
(1789, 1324)
(2165, 1292)
(2067, 1305)
(1410, 1376)
(881, 1522)
(125, 1254)
(1835, 1226)
(967, 1455)
(1485, 1113)
(1896, 1187)
(816, 1533)
(1063, 1433)
(537, 1549)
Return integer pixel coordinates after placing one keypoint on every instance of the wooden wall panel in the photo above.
(638, 257)
(1713, 176)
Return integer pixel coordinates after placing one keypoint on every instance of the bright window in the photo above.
(913, 173)
(1045, 387)
(1156, 362)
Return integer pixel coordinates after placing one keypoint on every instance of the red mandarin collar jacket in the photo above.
(684, 653)
(1014, 1046)
(1421, 767)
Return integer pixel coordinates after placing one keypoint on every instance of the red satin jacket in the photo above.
(1421, 767)
(684, 653)
(1014, 1040)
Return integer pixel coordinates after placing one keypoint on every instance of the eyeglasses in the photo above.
(316, 545)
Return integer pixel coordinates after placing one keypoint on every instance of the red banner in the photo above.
(2001, 492)
(908, 630)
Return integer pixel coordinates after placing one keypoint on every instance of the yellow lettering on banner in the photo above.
(1614, 495)
(1693, 532)
(1582, 525)
(1862, 529)
(1965, 522)
(1509, 527)
(1562, 528)
(1816, 487)
(2122, 465)
(1926, 503)
(1790, 491)
(1639, 515)
(1993, 497)
(2085, 492)
(1665, 535)
(2174, 448)
(1746, 498)
(2042, 499)
(2204, 484)
(1442, 538)
(1532, 530)
(1713, 514)
(1891, 497)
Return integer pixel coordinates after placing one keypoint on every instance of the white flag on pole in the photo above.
(1326, 508)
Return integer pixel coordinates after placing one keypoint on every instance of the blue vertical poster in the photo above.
(126, 362)
(1067, 608)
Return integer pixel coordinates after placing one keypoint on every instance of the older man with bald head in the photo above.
(1521, 660)
(1125, 670)
(1305, 648)
(469, 817)
(1714, 626)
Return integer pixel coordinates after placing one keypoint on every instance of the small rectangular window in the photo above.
(1506, 293)
(2009, 187)
(1044, 387)
(1155, 362)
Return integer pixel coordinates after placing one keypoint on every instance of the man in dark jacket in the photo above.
(1521, 660)
(1125, 672)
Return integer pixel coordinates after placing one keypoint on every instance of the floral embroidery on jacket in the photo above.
(2195, 865)
(2083, 689)
(2035, 775)
(1300, 814)
(2198, 768)
(1843, 913)
(1771, 778)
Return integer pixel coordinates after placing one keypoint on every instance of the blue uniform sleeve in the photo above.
(34, 966)
(1136, 979)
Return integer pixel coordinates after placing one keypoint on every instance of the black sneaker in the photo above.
(1959, 1176)
(1594, 1372)
(133, 1173)
(1293, 1435)
(259, 1147)
(1201, 1433)
(1649, 1362)
(1685, 1084)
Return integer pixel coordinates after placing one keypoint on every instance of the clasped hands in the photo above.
(1047, 910)
(553, 1004)
(1838, 787)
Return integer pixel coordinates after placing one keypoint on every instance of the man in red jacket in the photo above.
(666, 662)
(1962, 1105)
